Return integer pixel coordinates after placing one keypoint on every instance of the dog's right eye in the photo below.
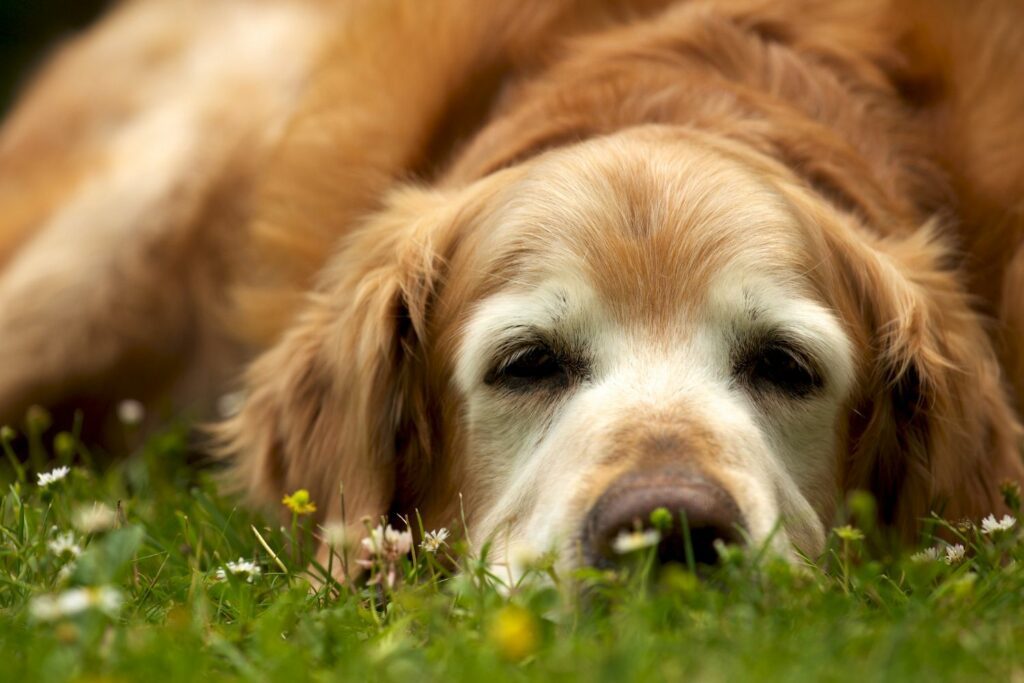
(535, 366)
(781, 366)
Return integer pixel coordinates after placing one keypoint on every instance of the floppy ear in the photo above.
(933, 429)
(332, 402)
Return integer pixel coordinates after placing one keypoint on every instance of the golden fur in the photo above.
(336, 234)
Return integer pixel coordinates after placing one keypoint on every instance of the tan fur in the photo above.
(125, 177)
(339, 222)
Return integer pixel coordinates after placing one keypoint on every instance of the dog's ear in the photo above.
(330, 403)
(932, 429)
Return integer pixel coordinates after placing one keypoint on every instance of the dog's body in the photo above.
(570, 259)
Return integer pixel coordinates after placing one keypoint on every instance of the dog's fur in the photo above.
(378, 205)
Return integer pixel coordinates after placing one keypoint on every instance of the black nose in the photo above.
(622, 515)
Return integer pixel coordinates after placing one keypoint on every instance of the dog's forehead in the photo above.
(649, 224)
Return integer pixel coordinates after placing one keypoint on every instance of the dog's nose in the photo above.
(707, 510)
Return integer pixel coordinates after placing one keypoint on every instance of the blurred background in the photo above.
(29, 29)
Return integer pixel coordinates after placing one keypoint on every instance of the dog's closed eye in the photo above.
(778, 365)
(533, 366)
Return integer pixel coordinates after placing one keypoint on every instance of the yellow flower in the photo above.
(513, 632)
(299, 502)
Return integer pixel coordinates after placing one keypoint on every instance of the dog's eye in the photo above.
(534, 366)
(778, 366)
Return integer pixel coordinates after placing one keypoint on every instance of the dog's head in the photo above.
(657, 318)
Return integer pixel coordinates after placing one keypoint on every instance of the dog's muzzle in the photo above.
(708, 511)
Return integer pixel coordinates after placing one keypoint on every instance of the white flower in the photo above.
(991, 525)
(383, 540)
(926, 555)
(75, 601)
(387, 546)
(93, 518)
(66, 571)
(250, 571)
(64, 546)
(54, 475)
(335, 535)
(523, 555)
(954, 553)
(229, 405)
(631, 541)
(433, 540)
(130, 412)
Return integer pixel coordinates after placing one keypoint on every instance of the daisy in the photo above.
(955, 553)
(64, 545)
(335, 535)
(65, 572)
(130, 412)
(53, 476)
(229, 405)
(389, 542)
(926, 555)
(433, 540)
(524, 556)
(991, 525)
(250, 571)
(75, 601)
(94, 518)
(386, 546)
(632, 541)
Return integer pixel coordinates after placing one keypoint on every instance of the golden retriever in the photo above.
(547, 264)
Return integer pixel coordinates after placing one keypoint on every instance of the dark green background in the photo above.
(29, 29)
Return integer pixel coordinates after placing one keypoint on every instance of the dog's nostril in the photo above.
(623, 513)
(701, 537)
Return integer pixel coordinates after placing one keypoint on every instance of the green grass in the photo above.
(850, 615)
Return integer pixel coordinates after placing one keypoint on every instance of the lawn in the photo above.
(141, 571)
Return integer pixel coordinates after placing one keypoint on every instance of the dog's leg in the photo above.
(124, 179)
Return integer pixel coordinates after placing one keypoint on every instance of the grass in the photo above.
(157, 608)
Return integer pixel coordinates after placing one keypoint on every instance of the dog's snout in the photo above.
(706, 509)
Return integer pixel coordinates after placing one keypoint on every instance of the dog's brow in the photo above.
(784, 332)
(513, 334)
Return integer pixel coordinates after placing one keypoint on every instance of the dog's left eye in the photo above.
(779, 366)
(530, 367)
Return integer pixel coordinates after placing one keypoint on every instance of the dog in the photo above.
(544, 266)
